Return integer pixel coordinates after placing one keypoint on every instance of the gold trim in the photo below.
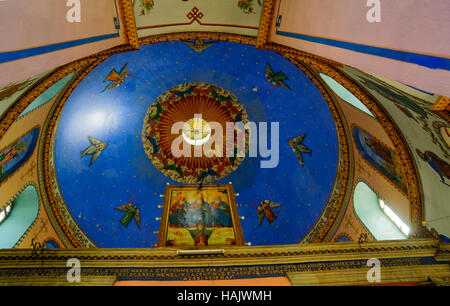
(126, 8)
(46, 173)
(232, 256)
(339, 195)
(265, 23)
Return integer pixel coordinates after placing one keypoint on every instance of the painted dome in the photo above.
(113, 138)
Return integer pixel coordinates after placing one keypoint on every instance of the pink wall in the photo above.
(416, 26)
(27, 24)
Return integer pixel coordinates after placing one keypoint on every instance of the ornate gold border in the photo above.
(339, 194)
(126, 8)
(354, 125)
(233, 256)
(265, 22)
(165, 214)
(47, 172)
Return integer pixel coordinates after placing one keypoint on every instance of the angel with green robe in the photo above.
(132, 212)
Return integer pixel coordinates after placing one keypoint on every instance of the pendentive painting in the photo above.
(382, 158)
(13, 156)
(200, 217)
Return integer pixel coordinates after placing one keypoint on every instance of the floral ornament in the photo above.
(146, 6)
(180, 104)
(246, 6)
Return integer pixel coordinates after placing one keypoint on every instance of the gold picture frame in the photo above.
(200, 217)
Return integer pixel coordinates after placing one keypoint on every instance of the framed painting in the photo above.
(17, 153)
(385, 160)
(200, 217)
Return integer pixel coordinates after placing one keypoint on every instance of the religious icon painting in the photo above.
(17, 153)
(200, 217)
(385, 160)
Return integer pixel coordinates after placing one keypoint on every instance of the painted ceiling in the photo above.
(113, 116)
(169, 16)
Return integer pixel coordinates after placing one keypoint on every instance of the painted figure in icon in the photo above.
(95, 149)
(380, 150)
(117, 78)
(198, 211)
(265, 210)
(177, 213)
(199, 45)
(200, 234)
(132, 212)
(439, 165)
(299, 148)
(11, 153)
(381, 157)
(277, 79)
(220, 212)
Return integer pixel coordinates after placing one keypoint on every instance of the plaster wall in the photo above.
(412, 26)
(42, 23)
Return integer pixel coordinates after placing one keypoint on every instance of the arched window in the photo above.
(47, 95)
(377, 215)
(344, 94)
(18, 215)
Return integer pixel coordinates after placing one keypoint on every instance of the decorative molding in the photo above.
(265, 23)
(129, 22)
(237, 38)
(358, 276)
(319, 256)
(333, 211)
(59, 215)
(196, 15)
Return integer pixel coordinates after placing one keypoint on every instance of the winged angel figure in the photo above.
(132, 212)
(95, 149)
